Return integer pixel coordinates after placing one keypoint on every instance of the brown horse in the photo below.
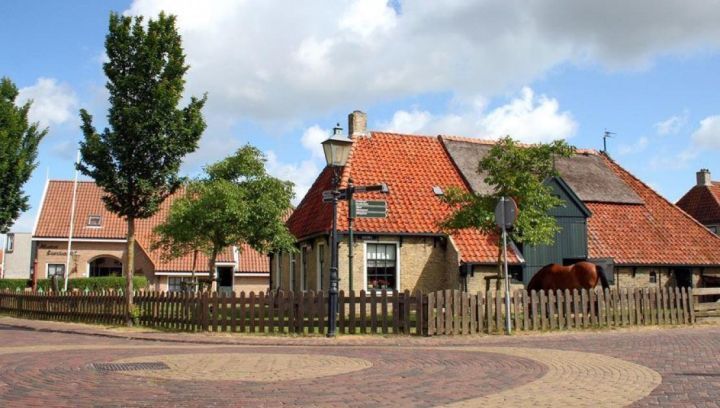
(582, 275)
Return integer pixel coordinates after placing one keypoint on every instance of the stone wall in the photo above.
(424, 264)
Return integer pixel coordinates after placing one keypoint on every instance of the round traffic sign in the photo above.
(506, 212)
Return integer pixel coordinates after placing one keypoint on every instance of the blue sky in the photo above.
(280, 76)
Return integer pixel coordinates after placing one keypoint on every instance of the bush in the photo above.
(91, 284)
(14, 284)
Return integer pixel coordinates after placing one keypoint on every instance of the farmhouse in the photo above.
(610, 217)
(702, 201)
(99, 245)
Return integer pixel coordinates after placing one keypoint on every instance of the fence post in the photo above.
(205, 312)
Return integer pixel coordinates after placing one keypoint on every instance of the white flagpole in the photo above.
(72, 223)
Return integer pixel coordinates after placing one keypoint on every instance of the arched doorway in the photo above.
(105, 266)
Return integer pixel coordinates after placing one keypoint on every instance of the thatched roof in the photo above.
(587, 174)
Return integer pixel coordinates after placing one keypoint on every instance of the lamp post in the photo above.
(336, 149)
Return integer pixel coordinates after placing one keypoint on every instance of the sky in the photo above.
(280, 74)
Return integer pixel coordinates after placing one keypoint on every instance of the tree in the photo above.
(234, 202)
(19, 142)
(136, 160)
(520, 172)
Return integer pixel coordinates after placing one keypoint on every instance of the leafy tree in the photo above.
(234, 202)
(19, 142)
(136, 160)
(517, 171)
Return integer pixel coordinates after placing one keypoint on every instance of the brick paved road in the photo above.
(50, 364)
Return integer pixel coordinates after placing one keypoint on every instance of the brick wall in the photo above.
(55, 252)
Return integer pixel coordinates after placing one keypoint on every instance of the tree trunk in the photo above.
(129, 269)
(211, 271)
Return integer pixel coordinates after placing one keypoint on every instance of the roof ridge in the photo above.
(652, 190)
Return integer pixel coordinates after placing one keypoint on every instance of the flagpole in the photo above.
(72, 223)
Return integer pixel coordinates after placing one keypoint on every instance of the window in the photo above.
(381, 263)
(56, 270)
(10, 245)
(180, 284)
(303, 268)
(653, 277)
(94, 221)
(714, 229)
(320, 266)
(292, 272)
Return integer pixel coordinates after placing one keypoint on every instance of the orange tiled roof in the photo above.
(54, 221)
(703, 203)
(410, 165)
(654, 232)
(252, 261)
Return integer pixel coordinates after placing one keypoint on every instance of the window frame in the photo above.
(47, 269)
(92, 225)
(292, 272)
(304, 268)
(10, 242)
(397, 264)
(276, 274)
(320, 263)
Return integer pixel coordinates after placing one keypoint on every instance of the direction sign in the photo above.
(369, 208)
(505, 212)
(327, 196)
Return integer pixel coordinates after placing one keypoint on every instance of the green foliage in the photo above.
(136, 159)
(91, 284)
(235, 202)
(19, 142)
(13, 284)
(516, 171)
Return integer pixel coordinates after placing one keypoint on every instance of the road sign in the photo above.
(505, 212)
(327, 196)
(369, 208)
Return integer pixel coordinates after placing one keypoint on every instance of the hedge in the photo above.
(91, 284)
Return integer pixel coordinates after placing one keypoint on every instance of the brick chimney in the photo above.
(703, 177)
(357, 123)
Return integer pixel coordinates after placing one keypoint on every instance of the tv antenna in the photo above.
(607, 135)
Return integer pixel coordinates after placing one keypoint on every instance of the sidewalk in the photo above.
(224, 338)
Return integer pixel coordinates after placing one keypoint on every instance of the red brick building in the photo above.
(702, 201)
(99, 245)
(641, 238)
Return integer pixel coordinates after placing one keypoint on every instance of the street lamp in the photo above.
(337, 149)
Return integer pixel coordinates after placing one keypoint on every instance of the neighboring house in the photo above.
(17, 256)
(702, 201)
(99, 245)
(610, 217)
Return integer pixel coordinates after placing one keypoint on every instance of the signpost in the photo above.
(505, 215)
(369, 208)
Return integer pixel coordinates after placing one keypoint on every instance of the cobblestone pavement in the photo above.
(52, 364)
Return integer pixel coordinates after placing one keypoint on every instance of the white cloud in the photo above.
(708, 134)
(274, 60)
(53, 103)
(639, 146)
(311, 139)
(671, 125)
(302, 173)
(528, 117)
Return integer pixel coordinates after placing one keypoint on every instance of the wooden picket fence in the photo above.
(448, 312)
(707, 304)
(455, 312)
(274, 312)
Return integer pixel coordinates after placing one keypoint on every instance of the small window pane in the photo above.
(56, 270)
(381, 265)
